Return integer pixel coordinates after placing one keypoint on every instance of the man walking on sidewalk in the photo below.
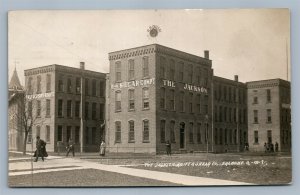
(40, 149)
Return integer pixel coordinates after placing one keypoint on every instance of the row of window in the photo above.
(167, 101)
(131, 69)
(171, 105)
(228, 114)
(269, 116)
(131, 99)
(197, 75)
(131, 131)
(194, 75)
(284, 137)
(87, 83)
(91, 136)
(200, 131)
(69, 85)
(39, 84)
(38, 107)
(227, 136)
(268, 97)
(38, 129)
(229, 94)
(90, 109)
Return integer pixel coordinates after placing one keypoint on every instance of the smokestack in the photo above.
(82, 65)
(206, 54)
(236, 78)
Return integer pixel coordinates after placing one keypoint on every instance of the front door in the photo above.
(182, 137)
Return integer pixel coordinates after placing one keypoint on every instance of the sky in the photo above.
(251, 43)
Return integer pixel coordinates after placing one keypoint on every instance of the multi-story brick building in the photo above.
(269, 114)
(66, 103)
(156, 94)
(159, 94)
(230, 115)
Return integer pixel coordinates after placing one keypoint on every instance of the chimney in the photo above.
(236, 78)
(82, 65)
(206, 54)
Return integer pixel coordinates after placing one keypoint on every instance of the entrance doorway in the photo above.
(182, 137)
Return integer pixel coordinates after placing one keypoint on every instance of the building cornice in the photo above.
(155, 48)
(62, 69)
(267, 83)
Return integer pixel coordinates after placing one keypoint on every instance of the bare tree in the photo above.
(28, 114)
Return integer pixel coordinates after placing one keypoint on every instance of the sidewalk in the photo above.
(63, 164)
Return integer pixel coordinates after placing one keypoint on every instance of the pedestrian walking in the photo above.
(276, 146)
(168, 148)
(40, 149)
(70, 148)
(102, 148)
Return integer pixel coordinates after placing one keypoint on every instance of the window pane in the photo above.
(146, 130)
(131, 131)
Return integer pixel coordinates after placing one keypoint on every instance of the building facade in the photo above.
(153, 95)
(230, 115)
(159, 94)
(15, 106)
(269, 116)
(66, 103)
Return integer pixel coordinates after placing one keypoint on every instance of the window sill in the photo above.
(47, 116)
(118, 110)
(146, 141)
(269, 122)
(145, 109)
(131, 110)
(255, 143)
(131, 142)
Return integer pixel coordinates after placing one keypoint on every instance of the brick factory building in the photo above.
(269, 118)
(153, 95)
(230, 115)
(159, 94)
(67, 103)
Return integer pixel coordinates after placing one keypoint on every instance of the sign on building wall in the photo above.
(40, 95)
(187, 87)
(136, 83)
